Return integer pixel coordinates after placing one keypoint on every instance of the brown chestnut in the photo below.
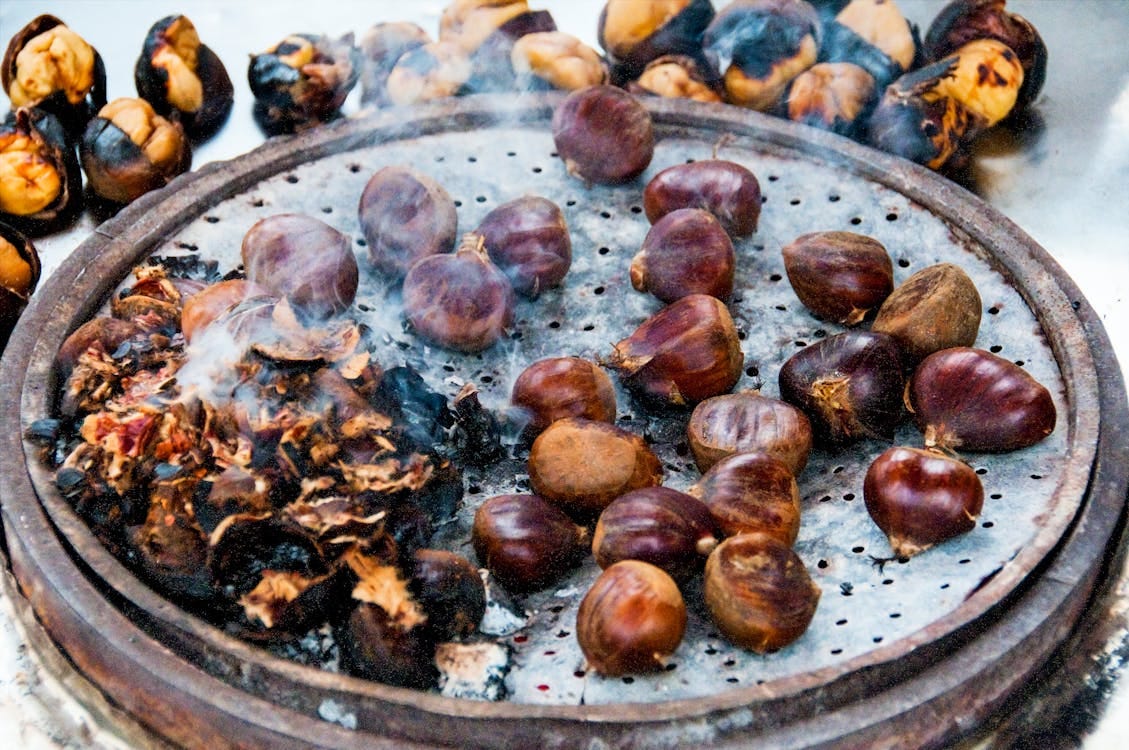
(603, 134)
(833, 96)
(461, 300)
(559, 387)
(752, 492)
(582, 465)
(971, 400)
(881, 24)
(758, 592)
(726, 189)
(748, 422)
(849, 385)
(526, 542)
(213, 303)
(685, 252)
(920, 498)
(631, 620)
(450, 592)
(435, 70)
(839, 276)
(659, 525)
(104, 333)
(528, 239)
(684, 353)
(274, 247)
(405, 216)
(40, 177)
(374, 646)
(19, 275)
(936, 308)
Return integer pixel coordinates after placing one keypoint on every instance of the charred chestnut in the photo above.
(603, 134)
(405, 216)
(40, 179)
(678, 77)
(634, 34)
(748, 422)
(556, 60)
(836, 97)
(560, 387)
(749, 492)
(487, 31)
(528, 239)
(936, 308)
(839, 276)
(685, 252)
(449, 590)
(435, 70)
(375, 647)
(525, 542)
(726, 189)
(469, 23)
(128, 150)
(881, 24)
(104, 333)
(381, 47)
(19, 275)
(302, 81)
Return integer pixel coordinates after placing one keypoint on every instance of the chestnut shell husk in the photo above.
(55, 146)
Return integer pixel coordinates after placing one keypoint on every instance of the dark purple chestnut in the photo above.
(603, 134)
(381, 47)
(555, 60)
(659, 525)
(726, 189)
(460, 300)
(839, 276)
(749, 422)
(405, 216)
(40, 180)
(19, 275)
(749, 492)
(683, 354)
(560, 387)
(450, 591)
(528, 239)
(849, 385)
(634, 34)
(936, 308)
(302, 81)
(678, 77)
(526, 542)
(275, 247)
(833, 96)
(920, 498)
(966, 399)
(685, 252)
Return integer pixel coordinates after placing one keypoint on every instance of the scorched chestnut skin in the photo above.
(40, 177)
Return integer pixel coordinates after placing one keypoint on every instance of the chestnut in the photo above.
(678, 77)
(749, 492)
(469, 23)
(302, 81)
(19, 275)
(40, 178)
(405, 215)
(128, 150)
(375, 647)
(582, 466)
(881, 24)
(381, 47)
(749, 422)
(920, 498)
(528, 239)
(603, 134)
(839, 276)
(683, 354)
(972, 400)
(849, 385)
(758, 592)
(936, 308)
(833, 96)
(726, 189)
(556, 60)
(461, 300)
(526, 542)
(631, 620)
(488, 31)
(181, 76)
(634, 34)
(103, 333)
(277, 245)
(685, 252)
(214, 303)
(559, 387)
(435, 70)
(450, 592)
(659, 525)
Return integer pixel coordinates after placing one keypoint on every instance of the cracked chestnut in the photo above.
(839, 276)
(381, 47)
(19, 275)
(40, 177)
(302, 81)
(634, 34)
(603, 134)
(556, 60)
(726, 189)
(685, 252)
(526, 542)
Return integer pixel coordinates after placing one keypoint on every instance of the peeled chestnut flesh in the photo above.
(920, 498)
(529, 240)
(461, 301)
(748, 422)
(726, 189)
(526, 542)
(966, 399)
(839, 276)
(685, 252)
(659, 525)
(19, 275)
(849, 385)
(560, 387)
(40, 177)
(450, 591)
(936, 308)
(405, 216)
(632, 619)
(758, 592)
(749, 492)
(582, 466)
(678, 77)
(603, 134)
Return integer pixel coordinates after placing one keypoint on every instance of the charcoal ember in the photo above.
(424, 416)
(244, 545)
(478, 433)
(410, 527)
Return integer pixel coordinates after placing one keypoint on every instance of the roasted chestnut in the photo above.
(559, 387)
(849, 385)
(936, 308)
(685, 252)
(214, 303)
(659, 525)
(749, 492)
(881, 24)
(488, 31)
(449, 590)
(634, 34)
(169, 549)
(920, 498)
(758, 592)
(726, 189)
(603, 134)
(277, 245)
(631, 620)
(48, 66)
(528, 239)
(302, 81)
(405, 215)
(460, 300)
(759, 46)
(375, 647)
(839, 276)
(128, 150)
(40, 179)
(469, 23)
(582, 466)
(748, 422)
(966, 399)
(381, 47)
(683, 354)
(834, 96)
(525, 542)
(556, 60)
(19, 275)
(435, 70)
(679, 77)
(177, 73)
